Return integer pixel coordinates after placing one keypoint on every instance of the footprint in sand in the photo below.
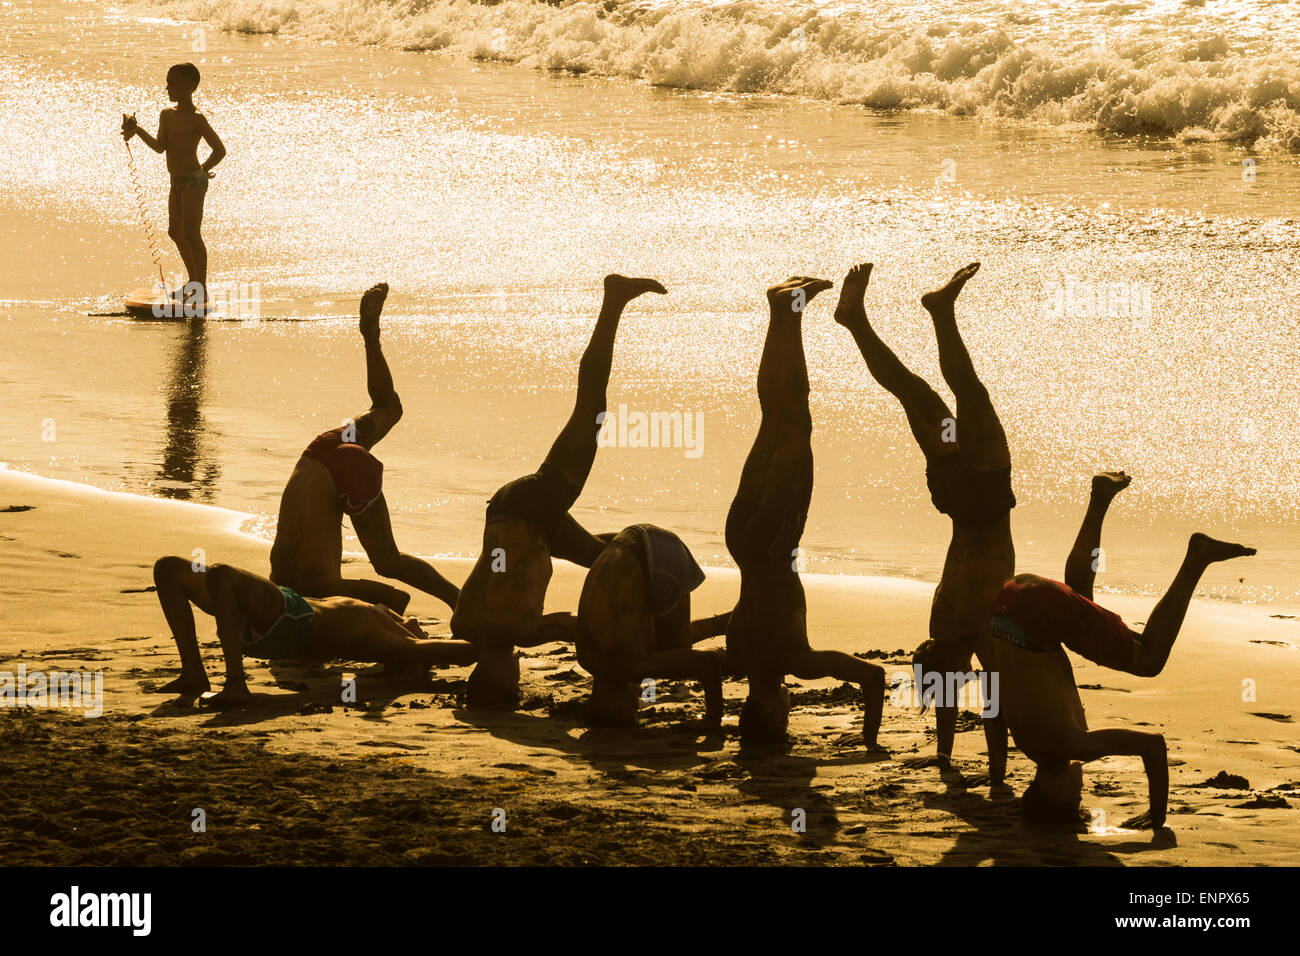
(1280, 718)
(1287, 644)
(10, 509)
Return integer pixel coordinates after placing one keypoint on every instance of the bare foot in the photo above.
(625, 290)
(226, 699)
(941, 300)
(184, 686)
(1209, 550)
(794, 294)
(372, 303)
(1143, 821)
(1108, 484)
(849, 309)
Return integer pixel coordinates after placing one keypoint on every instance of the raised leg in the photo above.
(1081, 565)
(926, 412)
(569, 461)
(1157, 639)
(765, 521)
(385, 406)
(979, 430)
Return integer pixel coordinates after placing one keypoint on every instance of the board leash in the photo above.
(142, 207)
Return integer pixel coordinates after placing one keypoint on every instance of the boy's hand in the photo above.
(128, 126)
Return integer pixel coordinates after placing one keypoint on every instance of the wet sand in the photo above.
(405, 775)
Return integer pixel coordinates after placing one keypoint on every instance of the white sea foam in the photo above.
(1191, 69)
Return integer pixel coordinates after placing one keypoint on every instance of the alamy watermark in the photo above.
(74, 690)
(634, 429)
(1075, 298)
(974, 690)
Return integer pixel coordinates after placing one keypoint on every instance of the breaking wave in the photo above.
(1158, 68)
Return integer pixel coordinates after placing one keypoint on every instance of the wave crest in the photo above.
(1145, 81)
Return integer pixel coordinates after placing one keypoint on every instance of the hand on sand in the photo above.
(372, 304)
(226, 699)
(794, 294)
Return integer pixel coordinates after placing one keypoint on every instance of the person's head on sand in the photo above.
(1054, 795)
(182, 81)
(939, 657)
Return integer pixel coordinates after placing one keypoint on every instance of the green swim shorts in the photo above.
(289, 638)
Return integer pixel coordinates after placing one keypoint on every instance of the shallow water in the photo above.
(1134, 308)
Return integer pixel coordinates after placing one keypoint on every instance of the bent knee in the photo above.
(220, 577)
(169, 566)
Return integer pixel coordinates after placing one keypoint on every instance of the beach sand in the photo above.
(406, 776)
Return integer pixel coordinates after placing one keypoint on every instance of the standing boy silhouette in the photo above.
(179, 130)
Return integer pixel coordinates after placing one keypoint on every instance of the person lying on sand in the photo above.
(257, 618)
(1034, 618)
(338, 474)
(968, 471)
(767, 636)
(634, 622)
(528, 523)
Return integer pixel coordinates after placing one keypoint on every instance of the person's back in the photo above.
(507, 587)
(308, 548)
(978, 561)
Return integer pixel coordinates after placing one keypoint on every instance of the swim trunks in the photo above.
(1038, 614)
(358, 475)
(197, 178)
(289, 638)
(968, 495)
(669, 566)
(759, 537)
(534, 498)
